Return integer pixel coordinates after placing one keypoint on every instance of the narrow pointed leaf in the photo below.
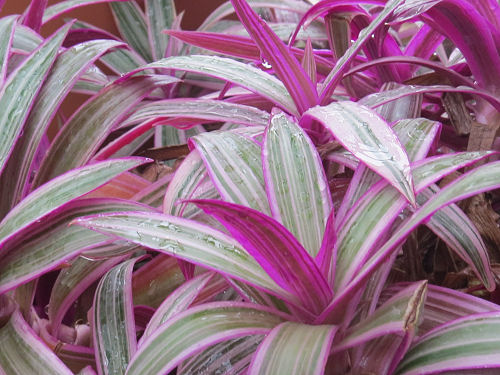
(87, 129)
(197, 328)
(234, 165)
(469, 343)
(23, 352)
(294, 349)
(114, 327)
(370, 139)
(131, 23)
(177, 302)
(160, 16)
(18, 93)
(68, 66)
(62, 7)
(233, 71)
(61, 190)
(284, 64)
(295, 182)
(186, 240)
(7, 28)
(275, 249)
(51, 242)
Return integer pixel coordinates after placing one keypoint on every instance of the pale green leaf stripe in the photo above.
(61, 190)
(295, 182)
(114, 328)
(473, 342)
(399, 314)
(187, 240)
(178, 301)
(294, 349)
(131, 23)
(197, 328)
(20, 90)
(235, 166)
(51, 244)
(66, 5)
(87, 129)
(24, 353)
(190, 175)
(160, 16)
(455, 228)
(199, 108)
(234, 354)
(67, 67)
(26, 39)
(233, 71)
(369, 138)
(7, 27)
(169, 136)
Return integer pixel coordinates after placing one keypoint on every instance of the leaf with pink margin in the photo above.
(284, 64)
(23, 352)
(62, 7)
(60, 190)
(7, 27)
(469, 343)
(296, 185)
(67, 68)
(411, 9)
(113, 320)
(89, 126)
(480, 179)
(294, 349)
(187, 240)
(33, 16)
(18, 93)
(326, 259)
(160, 15)
(197, 328)
(177, 302)
(275, 249)
(370, 139)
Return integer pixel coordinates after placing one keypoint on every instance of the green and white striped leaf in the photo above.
(176, 302)
(234, 165)
(294, 349)
(25, 39)
(68, 66)
(131, 23)
(61, 190)
(51, 242)
(114, 327)
(189, 241)
(21, 88)
(295, 182)
(160, 16)
(197, 328)
(24, 353)
(471, 343)
(7, 27)
(87, 129)
(233, 71)
(370, 139)
(400, 314)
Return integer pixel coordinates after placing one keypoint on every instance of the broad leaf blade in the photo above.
(234, 165)
(370, 139)
(23, 352)
(295, 182)
(294, 349)
(160, 16)
(114, 326)
(276, 250)
(61, 190)
(197, 328)
(18, 93)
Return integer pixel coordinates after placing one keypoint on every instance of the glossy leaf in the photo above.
(196, 329)
(21, 88)
(61, 190)
(370, 139)
(234, 165)
(294, 349)
(295, 182)
(113, 324)
(23, 352)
